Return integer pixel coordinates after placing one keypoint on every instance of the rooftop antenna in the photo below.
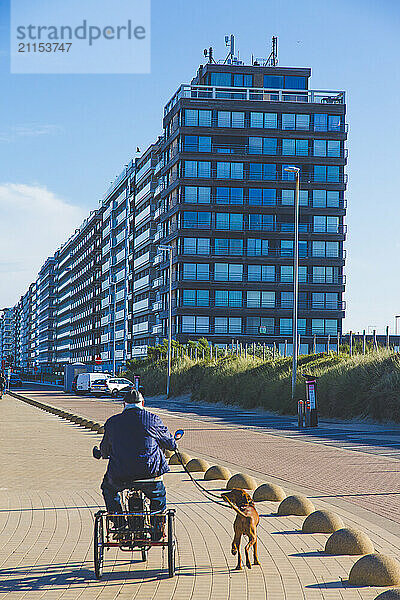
(272, 60)
(230, 43)
(209, 54)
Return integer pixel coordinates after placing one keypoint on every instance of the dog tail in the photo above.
(235, 507)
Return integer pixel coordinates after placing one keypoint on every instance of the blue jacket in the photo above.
(133, 441)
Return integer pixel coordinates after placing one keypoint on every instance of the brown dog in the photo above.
(246, 522)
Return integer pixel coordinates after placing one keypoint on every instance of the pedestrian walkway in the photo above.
(50, 491)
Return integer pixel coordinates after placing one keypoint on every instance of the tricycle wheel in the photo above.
(171, 543)
(98, 546)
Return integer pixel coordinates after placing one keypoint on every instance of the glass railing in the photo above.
(208, 92)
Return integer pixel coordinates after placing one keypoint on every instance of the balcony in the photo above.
(157, 330)
(208, 92)
(157, 282)
(157, 306)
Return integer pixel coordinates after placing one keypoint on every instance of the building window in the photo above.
(230, 119)
(196, 220)
(261, 222)
(225, 195)
(261, 273)
(232, 221)
(227, 170)
(325, 199)
(231, 298)
(228, 246)
(241, 80)
(287, 274)
(194, 168)
(257, 247)
(324, 122)
(288, 197)
(196, 246)
(293, 82)
(222, 79)
(197, 195)
(195, 298)
(262, 197)
(324, 326)
(285, 326)
(296, 122)
(287, 248)
(198, 118)
(329, 148)
(228, 272)
(322, 249)
(286, 299)
(293, 147)
(329, 174)
(196, 272)
(325, 301)
(325, 274)
(323, 224)
(197, 143)
(253, 325)
(264, 120)
(258, 299)
(193, 324)
(273, 81)
(228, 325)
(262, 172)
(259, 145)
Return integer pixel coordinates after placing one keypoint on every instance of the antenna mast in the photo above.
(272, 60)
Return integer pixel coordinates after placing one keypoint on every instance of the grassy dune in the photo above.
(358, 386)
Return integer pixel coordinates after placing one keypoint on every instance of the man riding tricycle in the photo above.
(136, 515)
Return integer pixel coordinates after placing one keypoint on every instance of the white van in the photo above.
(85, 381)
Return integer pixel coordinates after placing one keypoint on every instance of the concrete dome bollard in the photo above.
(217, 472)
(295, 505)
(175, 461)
(241, 481)
(389, 595)
(269, 491)
(348, 541)
(197, 465)
(322, 521)
(101, 429)
(375, 570)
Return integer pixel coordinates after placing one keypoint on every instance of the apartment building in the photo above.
(228, 206)
(116, 230)
(213, 187)
(7, 336)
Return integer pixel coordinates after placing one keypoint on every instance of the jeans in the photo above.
(153, 490)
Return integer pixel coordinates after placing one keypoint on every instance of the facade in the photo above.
(214, 188)
(78, 285)
(7, 336)
(116, 228)
(146, 330)
(228, 206)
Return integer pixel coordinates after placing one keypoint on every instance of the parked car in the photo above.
(89, 382)
(116, 384)
(15, 381)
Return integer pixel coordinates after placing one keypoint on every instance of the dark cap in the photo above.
(133, 397)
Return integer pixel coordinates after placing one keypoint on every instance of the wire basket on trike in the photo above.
(134, 529)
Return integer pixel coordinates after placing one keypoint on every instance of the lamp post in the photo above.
(114, 284)
(296, 171)
(395, 322)
(169, 250)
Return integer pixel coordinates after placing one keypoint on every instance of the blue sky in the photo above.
(63, 138)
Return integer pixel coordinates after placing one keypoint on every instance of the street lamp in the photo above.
(114, 284)
(169, 250)
(296, 171)
(395, 322)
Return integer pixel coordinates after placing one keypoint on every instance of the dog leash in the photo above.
(210, 495)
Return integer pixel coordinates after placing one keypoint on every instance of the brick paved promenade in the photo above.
(49, 491)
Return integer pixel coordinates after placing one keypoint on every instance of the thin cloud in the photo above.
(35, 222)
(29, 130)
